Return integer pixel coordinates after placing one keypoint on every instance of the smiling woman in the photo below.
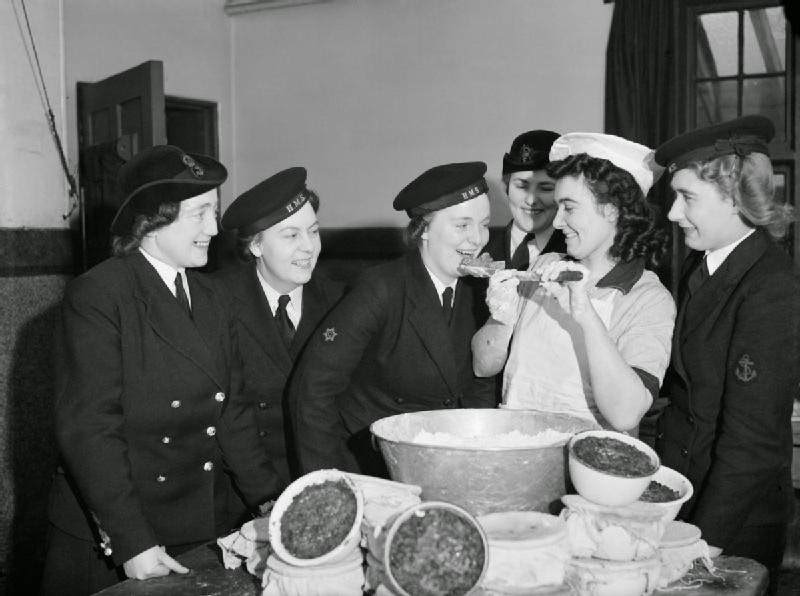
(597, 347)
(399, 341)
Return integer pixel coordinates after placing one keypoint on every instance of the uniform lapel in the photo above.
(170, 322)
(713, 293)
(313, 310)
(427, 320)
(507, 243)
(256, 316)
(689, 264)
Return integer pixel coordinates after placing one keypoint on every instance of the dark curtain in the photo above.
(642, 93)
(643, 97)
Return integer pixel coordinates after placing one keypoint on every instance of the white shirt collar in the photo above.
(715, 258)
(295, 307)
(167, 273)
(439, 285)
(540, 239)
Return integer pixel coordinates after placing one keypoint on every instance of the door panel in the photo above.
(117, 117)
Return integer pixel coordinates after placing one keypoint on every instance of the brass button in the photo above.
(161, 478)
(399, 400)
(211, 431)
(262, 405)
(684, 452)
(107, 551)
(166, 440)
(208, 466)
(176, 403)
(262, 433)
(220, 397)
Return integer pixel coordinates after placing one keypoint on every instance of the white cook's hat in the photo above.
(632, 157)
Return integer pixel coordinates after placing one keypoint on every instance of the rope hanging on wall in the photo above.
(45, 99)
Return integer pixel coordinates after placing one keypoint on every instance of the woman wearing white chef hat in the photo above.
(598, 347)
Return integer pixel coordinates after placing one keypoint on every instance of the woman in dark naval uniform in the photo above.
(735, 355)
(400, 340)
(278, 298)
(150, 423)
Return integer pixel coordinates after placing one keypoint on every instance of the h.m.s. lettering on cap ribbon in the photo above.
(453, 198)
(297, 202)
(277, 214)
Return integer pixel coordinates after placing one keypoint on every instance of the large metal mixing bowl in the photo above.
(480, 479)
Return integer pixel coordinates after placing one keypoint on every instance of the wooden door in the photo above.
(117, 117)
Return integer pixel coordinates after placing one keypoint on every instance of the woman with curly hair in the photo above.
(736, 354)
(598, 347)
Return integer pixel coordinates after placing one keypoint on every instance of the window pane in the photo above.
(717, 44)
(764, 40)
(766, 96)
(716, 102)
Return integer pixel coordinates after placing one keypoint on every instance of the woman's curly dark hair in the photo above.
(142, 225)
(638, 235)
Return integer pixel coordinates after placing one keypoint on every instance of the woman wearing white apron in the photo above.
(596, 348)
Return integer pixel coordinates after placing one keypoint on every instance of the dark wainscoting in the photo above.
(26, 251)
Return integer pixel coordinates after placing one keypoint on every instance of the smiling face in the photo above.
(184, 242)
(287, 252)
(453, 233)
(531, 200)
(709, 218)
(589, 228)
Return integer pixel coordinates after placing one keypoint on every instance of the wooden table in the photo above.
(736, 577)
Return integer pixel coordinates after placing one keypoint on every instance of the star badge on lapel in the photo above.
(329, 334)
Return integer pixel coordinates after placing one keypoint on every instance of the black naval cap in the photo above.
(163, 174)
(741, 136)
(442, 186)
(269, 202)
(529, 151)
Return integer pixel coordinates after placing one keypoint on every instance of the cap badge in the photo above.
(672, 167)
(525, 153)
(329, 334)
(194, 168)
(745, 369)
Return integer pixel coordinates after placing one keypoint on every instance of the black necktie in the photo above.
(285, 326)
(520, 260)
(180, 294)
(698, 277)
(447, 304)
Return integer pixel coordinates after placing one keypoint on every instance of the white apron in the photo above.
(547, 368)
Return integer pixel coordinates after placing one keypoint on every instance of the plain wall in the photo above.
(369, 93)
(33, 189)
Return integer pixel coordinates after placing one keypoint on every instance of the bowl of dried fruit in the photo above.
(669, 490)
(434, 549)
(610, 468)
(317, 519)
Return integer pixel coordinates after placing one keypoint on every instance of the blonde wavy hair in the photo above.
(750, 183)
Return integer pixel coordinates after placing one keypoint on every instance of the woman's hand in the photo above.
(153, 562)
(502, 297)
(573, 296)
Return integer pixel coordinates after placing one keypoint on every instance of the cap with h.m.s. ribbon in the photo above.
(740, 136)
(162, 174)
(269, 202)
(441, 187)
(529, 151)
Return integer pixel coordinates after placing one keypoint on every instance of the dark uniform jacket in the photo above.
(148, 414)
(735, 361)
(267, 364)
(499, 245)
(385, 349)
